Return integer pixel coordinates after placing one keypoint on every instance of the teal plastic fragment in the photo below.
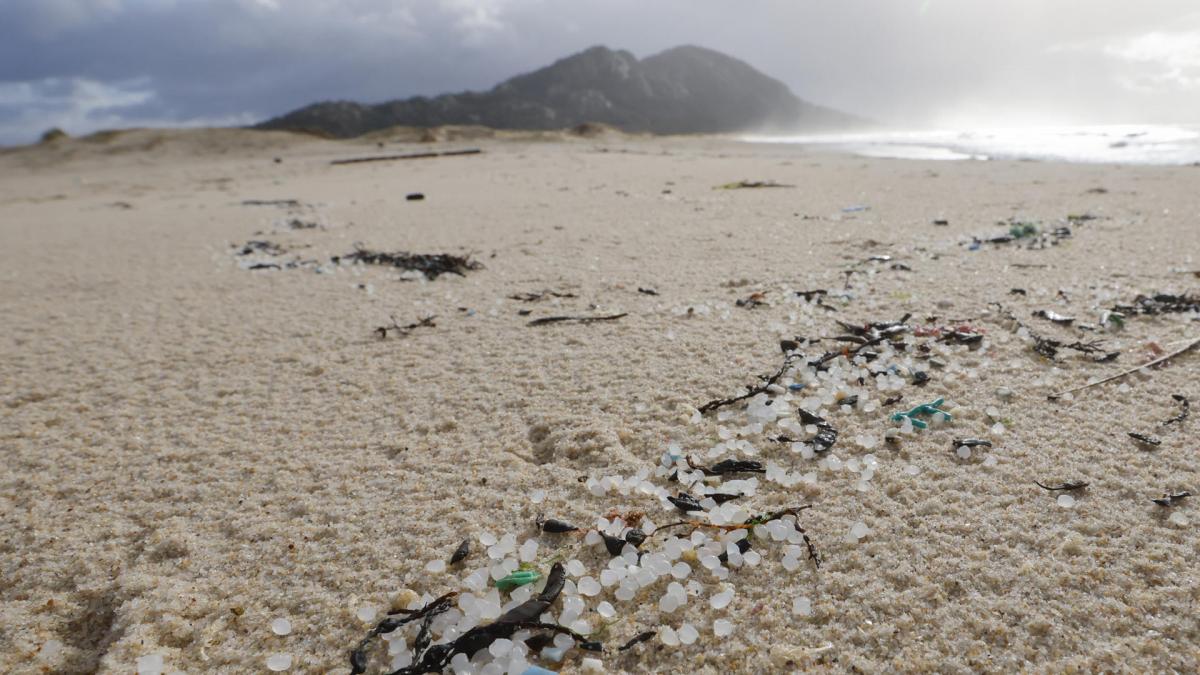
(930, 408)
(518, 578)
(538, 670)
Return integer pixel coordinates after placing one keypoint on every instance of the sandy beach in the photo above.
(194, 449)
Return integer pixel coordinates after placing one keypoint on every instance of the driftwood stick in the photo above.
(1155, 362)
(417, 155)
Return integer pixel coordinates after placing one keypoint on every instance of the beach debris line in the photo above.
(432, 265)
(576, 319)
(1070, 485)
(1160, 303)
(1048, 347)
(1032, 236)
(404, 330)
(415, 155)
(1169, 499)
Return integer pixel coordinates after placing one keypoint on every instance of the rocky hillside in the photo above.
(682, 90)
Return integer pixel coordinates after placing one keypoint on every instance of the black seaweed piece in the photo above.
(972, 443)
(534, 297)
(576, 319)
(635, 536)
(815, 293)
(920, 378)
(901, 267)
(1070, 485)
(808, 417)
(1017, 291)
(297, 224)
(647, 291)
(1143, 438)
(685, 502)
(893, 400)
(732, 466)
(1183, 411)
(825, 438)
(290, 203)
(358, 656)
(539, 641)
(788, 360)
(414, 197)
(383, 331)
(722, 497)
(637, 640)
(555, 526)
(743, 545)
(432, 265)
(264, 266)
(614, 544)
(1170, 499)
(461, 553)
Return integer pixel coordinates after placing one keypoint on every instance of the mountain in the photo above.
(680, 91)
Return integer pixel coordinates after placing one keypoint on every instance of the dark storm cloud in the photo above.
(91, 63)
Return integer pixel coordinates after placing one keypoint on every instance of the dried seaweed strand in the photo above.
(789, 360)
(427, 322)
(1183, 412)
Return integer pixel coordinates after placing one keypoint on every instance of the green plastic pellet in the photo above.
(518, 578)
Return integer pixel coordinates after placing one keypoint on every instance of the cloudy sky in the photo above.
(88, 64)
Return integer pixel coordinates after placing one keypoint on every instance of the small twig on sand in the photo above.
(1177, 352)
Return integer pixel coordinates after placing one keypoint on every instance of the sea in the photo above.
(1102, 144)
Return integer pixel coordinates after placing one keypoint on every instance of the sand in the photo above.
(193, 449)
